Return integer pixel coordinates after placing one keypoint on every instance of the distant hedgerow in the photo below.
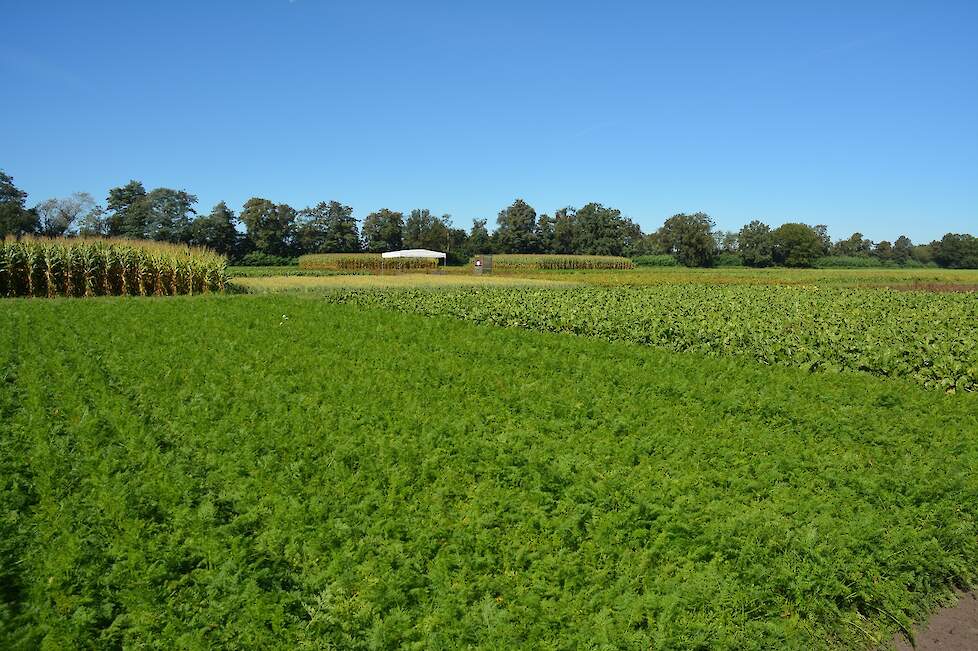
(41, 267)
(259, 259)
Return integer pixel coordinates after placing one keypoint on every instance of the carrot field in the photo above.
(281, 472)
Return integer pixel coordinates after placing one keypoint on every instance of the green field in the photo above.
(925, 279)
(275, 471)
(927, 337)
(321, 284)
(267, 272)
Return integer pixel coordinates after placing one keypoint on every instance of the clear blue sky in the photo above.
(858, 115)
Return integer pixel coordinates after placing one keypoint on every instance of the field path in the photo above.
(951, 629)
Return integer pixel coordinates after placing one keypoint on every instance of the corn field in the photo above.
(40, 267)
(364, 262)
(549, 261)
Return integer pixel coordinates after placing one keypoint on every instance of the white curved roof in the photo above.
(414, 253)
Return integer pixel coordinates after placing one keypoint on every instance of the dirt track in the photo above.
(949, 629)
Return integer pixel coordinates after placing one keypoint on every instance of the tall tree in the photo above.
(327, 228)
(217, 230)
(422, 230)
(883, 251)
(599, 230)
(383, 231)
(726, 241)
(856, 245)
(516, 229)
(56, 217)
(169, 215)
(269, 226)
(902, 249)
(479, 240)
(94, 223)
(796, 245)
(565, 230)
(633, 240)
(458, 245)
(755, 244)
(128, 210)
(163, 214)
(15, 219)
(545, 234)
(689, 238)
(924, 253)
(957, 251)
(823, 237)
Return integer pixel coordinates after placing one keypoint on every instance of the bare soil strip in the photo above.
(950, 629)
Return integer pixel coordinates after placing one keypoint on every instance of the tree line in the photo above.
(267, 232)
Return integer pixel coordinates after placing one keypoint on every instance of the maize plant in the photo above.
(533, 262)
(39, 267)
(364, 262)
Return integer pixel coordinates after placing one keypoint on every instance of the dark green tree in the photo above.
(855, 246)
(516, 229)
(545, 234)
(163, 214)
(439, 235)
(270, 227)
(902, 249)
(883, 251)
(957, 251)
(383, 231)
(599, 230)
(755, 244)
(796, 245)
(422, 230)
(15, 219)
(217, 230)
(458, 246)
(565, 230)
(823, 236)
(327, 228)
(689, 238)
(169, 215)
(479, 241)
(924, 253)
(634, 242)
(128, 210)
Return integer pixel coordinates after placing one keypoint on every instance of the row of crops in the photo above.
(241, 489)
(97, 267)
(502, 262)
(364, 262)
(928, 338)
(545, 262)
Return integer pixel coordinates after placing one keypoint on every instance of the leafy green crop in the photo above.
(929, 338)
(276, 472)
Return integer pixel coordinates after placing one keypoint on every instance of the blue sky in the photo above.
(859, 115)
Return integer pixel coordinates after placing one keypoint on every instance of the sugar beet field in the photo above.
(659, 465)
